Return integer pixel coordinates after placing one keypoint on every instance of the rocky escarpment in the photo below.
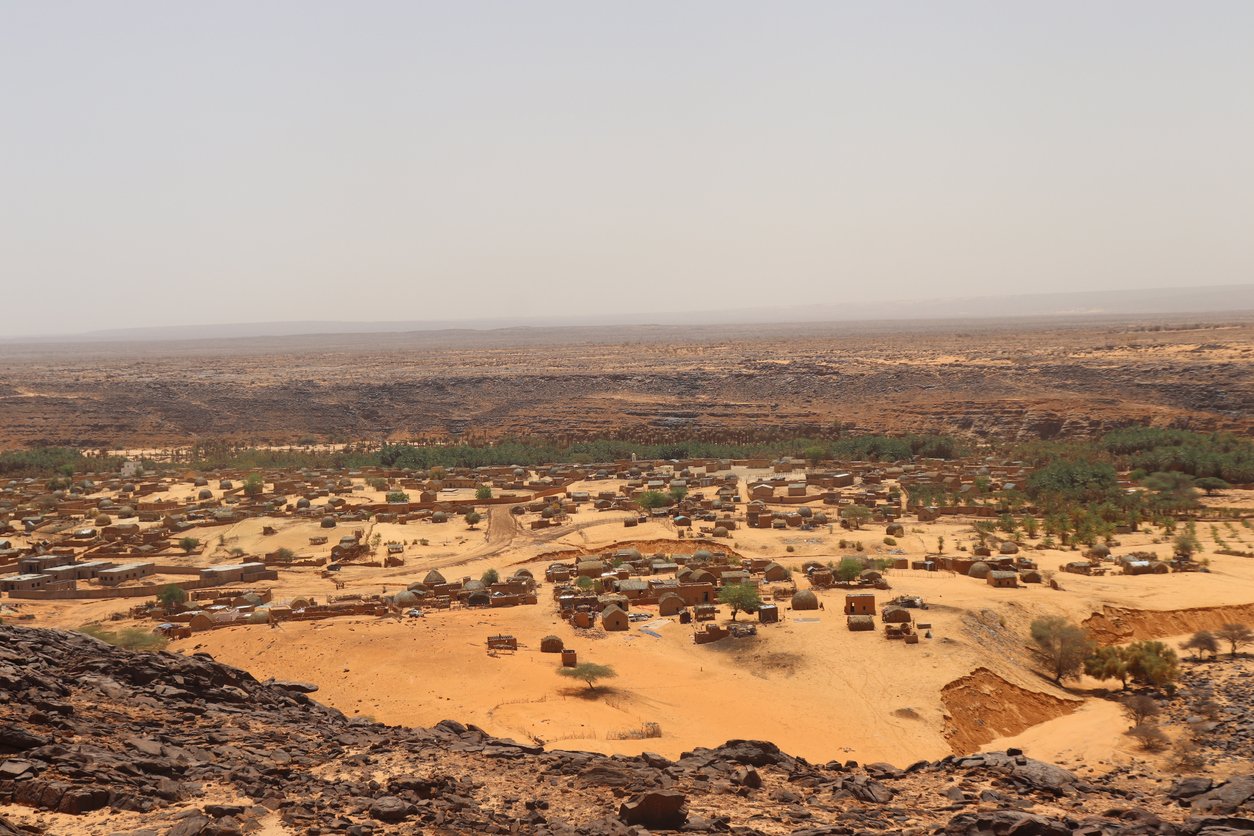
(91, 736)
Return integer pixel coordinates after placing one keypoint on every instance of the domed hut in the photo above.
(805, 600)
(895, 530)
(893, 614)
(552, 644)
(979, 570)
(434, 578)
(1008, 547)
(405, 598)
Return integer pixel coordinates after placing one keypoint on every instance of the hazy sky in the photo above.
(197, 162)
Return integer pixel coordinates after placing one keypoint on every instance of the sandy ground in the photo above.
(807, 684)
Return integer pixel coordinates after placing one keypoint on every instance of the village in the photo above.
(763, 572)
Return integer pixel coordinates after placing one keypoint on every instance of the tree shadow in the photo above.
(583, 692)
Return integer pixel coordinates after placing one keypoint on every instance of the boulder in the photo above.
(390, 809)
(655, 810)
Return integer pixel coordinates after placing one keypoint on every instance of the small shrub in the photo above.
(889, 541)
(1150, 738)
(129, 638)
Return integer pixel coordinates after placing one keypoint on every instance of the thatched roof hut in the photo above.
(805, 599)
(979, 570)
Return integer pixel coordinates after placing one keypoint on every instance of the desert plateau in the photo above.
(853, 585)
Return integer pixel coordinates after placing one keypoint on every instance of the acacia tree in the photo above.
(589, 672)
(1203, 641)
(652, 499)
(1065, 645)
(483, 492)
(188, 544)
(1236, 635)
(741, 597)
(472, 518)
(1153, 663)
(1108, 663)
(856, 515)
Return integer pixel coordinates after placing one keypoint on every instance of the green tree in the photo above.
(678, 492)
(584, 582)
(1108, 663)
(588, 672)
(741, 597)
(472, 518)
(815, 453)
(483, 492)
(1186, 544)
(650, 500)
(171, 595)
(1153, 663)
(1211, 484)
(856, 515)
(397, 496)
(1065, 645)
(254, 485)
(490, 577)
(188, 544)
(849, 568)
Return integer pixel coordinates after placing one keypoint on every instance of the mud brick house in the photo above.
(613, 619)
(87, 571)
(860, 603)
(28, 583)
(38, 563)
(237, 573)
(125, 572)
(1003, 580)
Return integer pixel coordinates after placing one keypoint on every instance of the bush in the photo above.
(1150, 738)
(889, 541)
(1140, 708)
(130, 638)
(490, 577)
(188, 544)
(397, 496)
(483, 492)
(253, 485)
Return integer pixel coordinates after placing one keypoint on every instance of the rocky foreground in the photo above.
(91, 736)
